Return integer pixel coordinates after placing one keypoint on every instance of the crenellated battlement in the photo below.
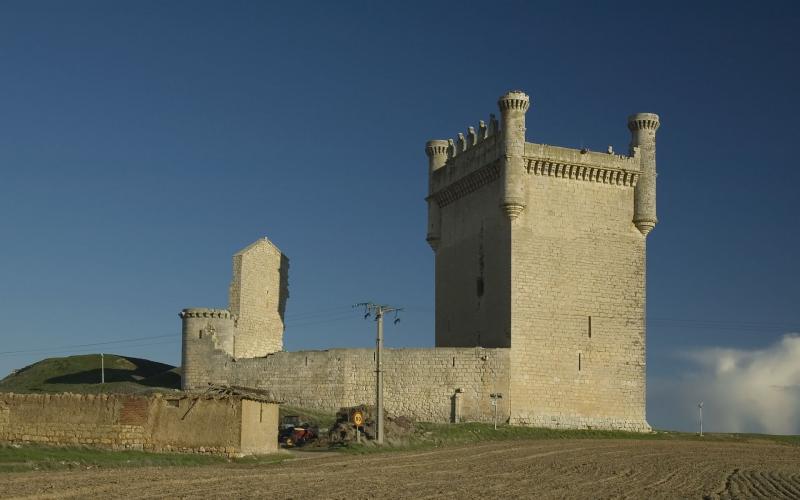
(465, 142)
(514, 100)
(582, 165)
(482, 156)
(643, 121)
(583, 157)
(437, 148)
(467, 154)
(205, 312)
(478, 167)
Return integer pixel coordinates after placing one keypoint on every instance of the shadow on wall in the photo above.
(284, 287)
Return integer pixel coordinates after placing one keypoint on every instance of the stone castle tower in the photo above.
(540, 293)
(541, 249)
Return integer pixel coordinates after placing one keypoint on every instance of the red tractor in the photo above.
(293, 432)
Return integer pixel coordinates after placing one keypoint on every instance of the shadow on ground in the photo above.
(118, 369)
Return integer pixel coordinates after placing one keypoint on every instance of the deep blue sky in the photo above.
(143, 143)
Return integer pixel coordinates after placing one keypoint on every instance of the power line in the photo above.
(84, 350)
(53, 349)
(333, 315)
(320, 321)
(318, 312)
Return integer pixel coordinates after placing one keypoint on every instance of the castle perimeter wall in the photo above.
(178, 423)
(433, 385)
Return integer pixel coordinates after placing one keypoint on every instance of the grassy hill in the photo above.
(81, 374)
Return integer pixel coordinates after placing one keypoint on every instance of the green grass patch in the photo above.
(83, 374)
(321, 419)
(428, 435)
(36, 457)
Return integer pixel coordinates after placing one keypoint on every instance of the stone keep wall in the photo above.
(155, 423)
(258, 295)
(557, 236)
(425, 384)
(577, 258)
(470, 237)
(472, 281)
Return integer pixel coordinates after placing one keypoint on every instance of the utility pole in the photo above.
(379, 310)
(102, 369)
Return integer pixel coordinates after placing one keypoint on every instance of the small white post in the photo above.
(700, 407)
(102, 369)
(495, 396)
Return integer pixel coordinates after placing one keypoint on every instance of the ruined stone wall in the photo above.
(577, 258)
(154, 423)
(258, 293)
(419, 383)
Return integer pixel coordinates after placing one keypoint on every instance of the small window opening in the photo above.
(590, 327)
(579, 361)
(306, 360)
(200, 335)
(454, 361)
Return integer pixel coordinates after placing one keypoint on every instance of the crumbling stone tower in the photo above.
(251, 327)
(257, 297)
(541, 249)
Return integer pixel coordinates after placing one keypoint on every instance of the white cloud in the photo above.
(742, 391)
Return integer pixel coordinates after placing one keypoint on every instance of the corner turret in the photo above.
(643, 127)
(203, 328)
(437, 157)
(513, 106)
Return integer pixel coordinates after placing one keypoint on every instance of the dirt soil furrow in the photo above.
(570, 468)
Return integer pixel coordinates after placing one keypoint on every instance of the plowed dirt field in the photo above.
(511, 469)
